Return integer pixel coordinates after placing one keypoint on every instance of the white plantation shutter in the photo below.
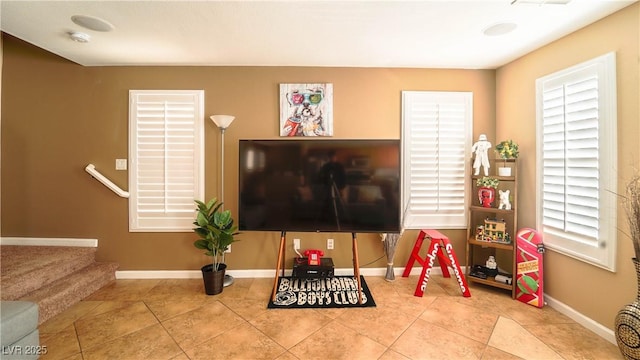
(166, 158)
(436, 140)
(577, 122)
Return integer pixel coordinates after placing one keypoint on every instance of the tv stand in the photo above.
(281, 257)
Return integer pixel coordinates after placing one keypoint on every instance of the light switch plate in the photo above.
(121, 164)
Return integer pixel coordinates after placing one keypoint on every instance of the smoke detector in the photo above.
(79, 37)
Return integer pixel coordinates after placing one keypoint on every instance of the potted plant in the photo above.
(626, 321)
(507, 149)
(216, 230)
(487, 190)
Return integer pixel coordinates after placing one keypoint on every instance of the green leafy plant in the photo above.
(486, 181)
(507, 149)
(216, 230)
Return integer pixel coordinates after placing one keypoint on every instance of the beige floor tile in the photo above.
(120, 321)
(486, 297)
(335, 341)
(108, 306)
(407, 286)
(199, 325)
(181, 356)
(60, 345)
(392, 355)
(246, 342)
(512, 338)
(388, 297)
(573, 341)
(259, 288)
(450, 285)
(66, 318)
(526, 314)
(166, 309)
(248, 309)
(462, 319)
(124, 290)
(332, 313)
(240, 289)
(287, 356)
(384, 325)
(424, 340)
(491, 353)
(152, 343)
(178, 290)
(74, 357)
(290, 326)
(95, 330)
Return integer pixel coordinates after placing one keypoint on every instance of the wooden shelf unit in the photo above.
(479, 251)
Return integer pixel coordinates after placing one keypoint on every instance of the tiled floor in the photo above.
(174, 319)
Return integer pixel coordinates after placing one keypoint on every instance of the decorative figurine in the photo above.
(491, 263)
(505, 204)
(480, 148)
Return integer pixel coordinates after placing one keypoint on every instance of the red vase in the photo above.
(486, 195)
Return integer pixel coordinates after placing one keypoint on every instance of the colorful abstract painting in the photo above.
(306, 109)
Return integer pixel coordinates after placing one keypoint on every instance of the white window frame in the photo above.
(576, 166)
(166, 159)
(437, 131)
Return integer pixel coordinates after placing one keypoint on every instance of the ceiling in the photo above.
(366, 33)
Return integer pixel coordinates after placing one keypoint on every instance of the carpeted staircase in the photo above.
(55, 277)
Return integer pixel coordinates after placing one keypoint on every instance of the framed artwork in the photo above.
(306, 109)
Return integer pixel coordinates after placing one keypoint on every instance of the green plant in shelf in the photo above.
(507, 149)
(486, 181)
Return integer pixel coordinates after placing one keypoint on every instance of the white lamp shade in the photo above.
(222, 121)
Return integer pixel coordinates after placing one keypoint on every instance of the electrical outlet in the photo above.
(228, 251)
(330, 244)
(296, 244)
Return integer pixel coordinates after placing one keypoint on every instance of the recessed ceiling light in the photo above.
(79, 37)
(499, 29)
(92, 23)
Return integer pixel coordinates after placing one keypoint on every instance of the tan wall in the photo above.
(1, 56)
(594, 292)
(59, 116)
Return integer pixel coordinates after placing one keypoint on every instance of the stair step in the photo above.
(28, 268)
(59, 295)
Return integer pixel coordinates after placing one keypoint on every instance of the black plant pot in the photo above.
(213, 280)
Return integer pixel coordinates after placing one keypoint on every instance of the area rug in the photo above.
(333, 292)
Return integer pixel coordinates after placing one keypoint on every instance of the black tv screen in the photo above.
(319, 185)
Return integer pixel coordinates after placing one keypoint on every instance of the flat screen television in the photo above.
(319, 185)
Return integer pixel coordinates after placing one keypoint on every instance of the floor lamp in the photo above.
(223, 122)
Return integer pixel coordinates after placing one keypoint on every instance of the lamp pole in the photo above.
(223, 122)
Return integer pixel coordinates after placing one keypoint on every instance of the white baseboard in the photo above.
(258, 273)
(30, 241)
(574, 315)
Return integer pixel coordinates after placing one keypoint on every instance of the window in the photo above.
(436, 136)
(166, 158)
(576, 137)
